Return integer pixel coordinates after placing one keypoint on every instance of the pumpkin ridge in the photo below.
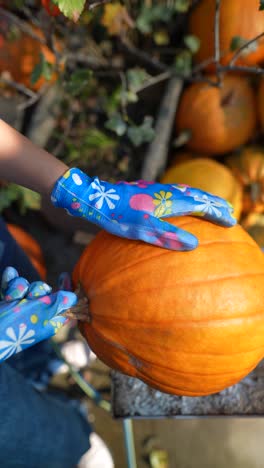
(198, 374)
(168, 252)
(181, 321)
(132, 265)
(188, 353)
(221, 241)
(175, 389)
(148, 363)
(187, 283)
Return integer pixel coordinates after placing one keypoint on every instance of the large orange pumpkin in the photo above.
(187, 323)
(238, 18)
(220, 119)
(20, 53)
(209, 175)
(30, 247)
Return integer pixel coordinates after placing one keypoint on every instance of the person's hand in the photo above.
(134, 210)
(29, 313)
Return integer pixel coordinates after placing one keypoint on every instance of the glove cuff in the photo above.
(68, 187)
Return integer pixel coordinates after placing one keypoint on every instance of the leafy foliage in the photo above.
(42, 68)
(25, 198)
(144, 133)
(71, 8)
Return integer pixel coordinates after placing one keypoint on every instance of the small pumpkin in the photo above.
(238, 19)
(248, 167)
(208, 175)
(30, 247)
(187, 323)
(220, 119)
(20, 53)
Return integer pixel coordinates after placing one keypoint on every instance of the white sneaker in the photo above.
(98, 456)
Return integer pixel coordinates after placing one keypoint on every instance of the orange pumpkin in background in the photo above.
(186, 323)
(20, 53)
(208, 175)
(238, 19)
(30, 247)
(220, 119)
(248, 168)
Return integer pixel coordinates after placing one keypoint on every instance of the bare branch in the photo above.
(143, 57)
(238, 68)
(217, 32)
(157, 152)
(154, 80)
(17, 86)
(217, 39)
(97, 3)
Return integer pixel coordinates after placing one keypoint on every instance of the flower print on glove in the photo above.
(135, 210)
(29, 313)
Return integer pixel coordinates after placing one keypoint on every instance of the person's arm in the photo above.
(131, 210)
(23, 163)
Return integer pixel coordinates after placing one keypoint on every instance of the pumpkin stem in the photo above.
(81, 310)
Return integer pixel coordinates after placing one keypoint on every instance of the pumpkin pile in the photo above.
(226, 122)
(186, 323)
(192, 323)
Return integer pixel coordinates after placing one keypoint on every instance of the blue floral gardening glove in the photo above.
(29, 313)
(134, 210)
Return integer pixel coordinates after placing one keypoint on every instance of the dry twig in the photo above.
(156, 156)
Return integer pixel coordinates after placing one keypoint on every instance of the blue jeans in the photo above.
(37, 430)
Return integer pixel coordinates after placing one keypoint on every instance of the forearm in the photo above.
(25, 164)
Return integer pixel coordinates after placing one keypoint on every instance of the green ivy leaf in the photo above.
(143, 133)
(136, 77)
(28, 199)
(192, 42)
(261, 5)
(71, 8)
(182, 6)
(7, 196)
(149, 15)
(116, 124)
(183, 63)
(42, 68)
(130, 96)
(237, 42)
(96, 139)
(78, 82)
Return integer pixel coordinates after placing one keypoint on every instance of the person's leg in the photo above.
(36, 430)
(40, 430)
